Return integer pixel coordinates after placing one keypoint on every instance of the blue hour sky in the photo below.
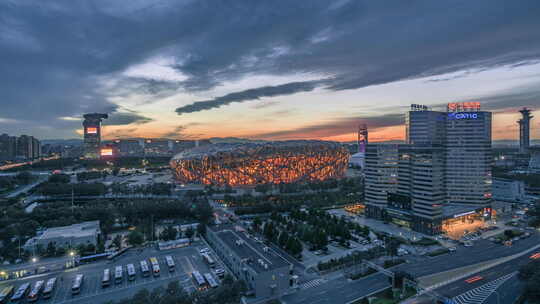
(262, 69)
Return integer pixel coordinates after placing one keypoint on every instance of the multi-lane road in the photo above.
(341, 290)
(187, 260)
(478, 287)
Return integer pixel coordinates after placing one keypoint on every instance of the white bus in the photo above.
(211, 281)
(34, 293)
(21, 292)
(200, 283)
(77, 284)
(155, 266)
(106, 279)
(131, 272)
(118, 272)
(208, 259)
(170, 262)
(144, 269)
(49, 288)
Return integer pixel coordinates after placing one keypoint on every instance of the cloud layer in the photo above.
(56, 56)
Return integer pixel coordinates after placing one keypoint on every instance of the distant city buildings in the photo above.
(92, 134)
(21, 148)
(443, 172)
(154, 147)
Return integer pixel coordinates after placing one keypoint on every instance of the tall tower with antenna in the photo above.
(524, 129)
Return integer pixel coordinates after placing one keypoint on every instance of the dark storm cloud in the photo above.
(55, 54)
(251, 94)
(120, 118)
(336, 127)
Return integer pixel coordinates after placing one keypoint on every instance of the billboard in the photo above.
(106, 152)
(463, 106)
(91, 130)
(464, 115)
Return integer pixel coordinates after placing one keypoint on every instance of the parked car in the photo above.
(452, 249)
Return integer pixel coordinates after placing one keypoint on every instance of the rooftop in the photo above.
(214, 149)
(457, 210)
(76, 230)
(257, 255)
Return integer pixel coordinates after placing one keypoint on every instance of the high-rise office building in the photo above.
(468, 156)
(524, 129)
(380, 176)
(8, 147)
(36, 148)
(25, 147)
(443, 171)
(92, 134)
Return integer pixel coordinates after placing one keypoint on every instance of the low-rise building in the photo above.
(265, 272)
(84, 233)
(508, 190)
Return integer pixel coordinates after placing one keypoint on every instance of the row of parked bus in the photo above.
(203, 282)
(32, 293)
(145, 267)
(44, 288)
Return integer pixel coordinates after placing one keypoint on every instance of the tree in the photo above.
(141, 297)
(257, 222)
(392, 248)
(509, 233)
(283, 238)
(135, 238)
(59, 178)
(189, 233)
(117, 241)
(201, 229)
(168, 234)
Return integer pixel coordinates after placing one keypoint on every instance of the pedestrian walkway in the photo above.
(312, 283)
(480, 294)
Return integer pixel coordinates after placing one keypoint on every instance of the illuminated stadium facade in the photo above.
(268, 163)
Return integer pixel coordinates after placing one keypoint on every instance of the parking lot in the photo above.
(187, 260)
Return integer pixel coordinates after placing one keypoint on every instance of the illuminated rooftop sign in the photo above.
(463, 115)
(91, 130)
(463, 106)
(419, 107)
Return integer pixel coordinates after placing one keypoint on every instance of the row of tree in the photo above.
(17, 226)
(22, 178)
(282, 238)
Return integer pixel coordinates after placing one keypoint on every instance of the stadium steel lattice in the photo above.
(268, 163)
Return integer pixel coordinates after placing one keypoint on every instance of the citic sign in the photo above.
(463, 115)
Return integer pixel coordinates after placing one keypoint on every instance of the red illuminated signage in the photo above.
(463, 106)
(91, 130)
(106, 152)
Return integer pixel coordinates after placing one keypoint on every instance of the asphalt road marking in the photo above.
(480, 294)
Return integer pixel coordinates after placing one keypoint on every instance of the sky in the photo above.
(271, 70)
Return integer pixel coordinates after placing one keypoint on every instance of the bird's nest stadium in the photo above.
(261, 163)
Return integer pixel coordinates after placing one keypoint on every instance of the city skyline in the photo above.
(271, 71)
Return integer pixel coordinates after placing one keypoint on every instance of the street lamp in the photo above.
(34, 260)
